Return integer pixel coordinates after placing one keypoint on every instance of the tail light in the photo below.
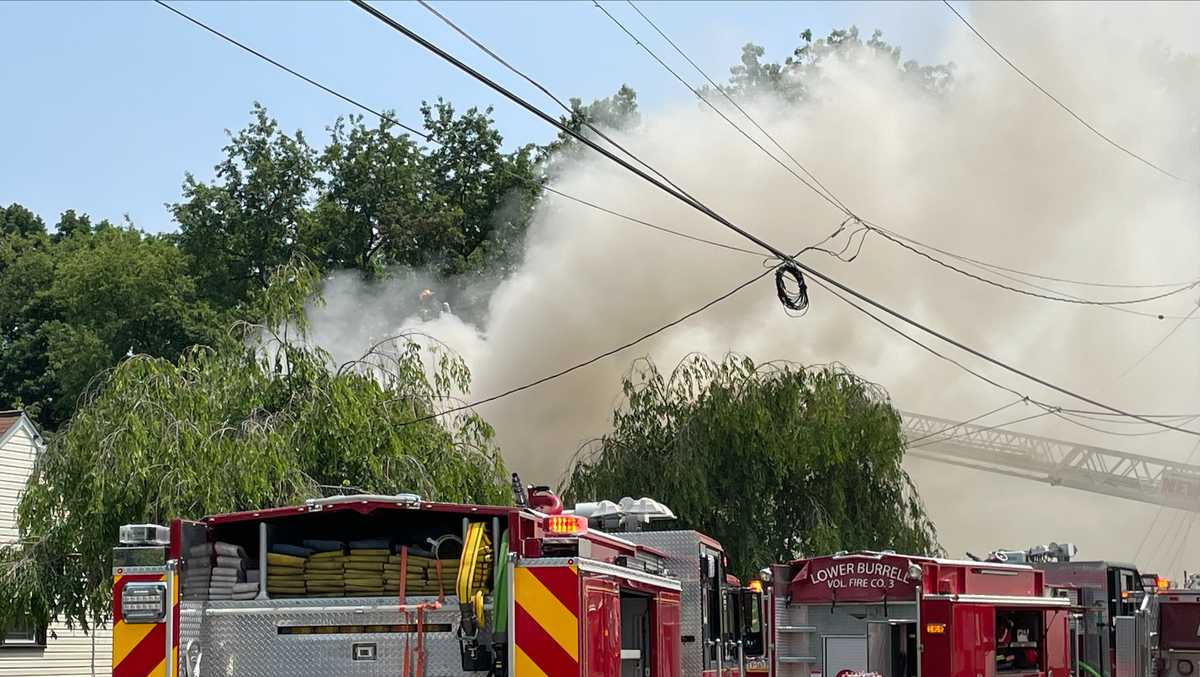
(565, 525)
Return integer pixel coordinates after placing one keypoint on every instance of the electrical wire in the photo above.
(1116, 433)
(1183, 543)
(968, 421)
(824, 192)
(732, 101)
(664, 185)
(1012, 278)
(1060, 299)
(516, 71)
(426, 137)
(990, 428)
(591, 360)
(1162, 507)
(387, 20)
(1065, 107)
(1163, 340)
(1048, 278)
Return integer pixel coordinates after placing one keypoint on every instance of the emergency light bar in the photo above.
(565, 525)
(144, 534)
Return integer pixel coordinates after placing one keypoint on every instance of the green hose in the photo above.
(1090, 670)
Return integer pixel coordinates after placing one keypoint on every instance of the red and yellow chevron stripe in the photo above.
(139, 649)
(546, 602)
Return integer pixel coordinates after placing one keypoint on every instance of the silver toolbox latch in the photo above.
(364, 651)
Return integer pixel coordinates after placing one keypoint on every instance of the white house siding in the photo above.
(67, 653)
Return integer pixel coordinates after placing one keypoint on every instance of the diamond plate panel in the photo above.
(799, 629)
(240, 639)
(683, 563)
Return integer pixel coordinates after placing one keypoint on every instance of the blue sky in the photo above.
(107, 105)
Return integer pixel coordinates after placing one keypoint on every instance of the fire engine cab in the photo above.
(399, 586)
(902, 616)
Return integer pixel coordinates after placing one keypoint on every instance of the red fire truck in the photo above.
(1177, 624)
(403, 587)
(1112, 603)
(903, 616)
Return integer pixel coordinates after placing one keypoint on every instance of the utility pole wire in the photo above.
(422, 135)
(1163, 340)
(827, 194)
(824, 192)
(426, 137)
(730, 99)
(1062, 105)
(785, 259)
(508, 94)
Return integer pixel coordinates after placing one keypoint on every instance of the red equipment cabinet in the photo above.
(1177, 615)
(902, 616)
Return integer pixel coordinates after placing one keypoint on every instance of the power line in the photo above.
(728, 98)
(596, 358)
(824, 192)
(996, 270)
(500, 89)
(282, 67)
(704, 209)
(1060, 299)
(392, 120)
(1049, 278)
(967, 422)
(521, 102)
(1062, 105)
(1162, 507)
(416, 132)
(1163, 340)
(1006, 424)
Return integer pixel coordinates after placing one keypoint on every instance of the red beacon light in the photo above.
(565, 525)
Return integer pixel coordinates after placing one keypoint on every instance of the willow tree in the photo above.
(259, 419)
(772, 460)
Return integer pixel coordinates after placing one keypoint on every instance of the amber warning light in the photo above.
(1162, 583)
(565, 525)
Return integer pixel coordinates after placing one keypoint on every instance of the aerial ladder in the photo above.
(1056, 462)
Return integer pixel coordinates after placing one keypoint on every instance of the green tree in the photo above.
(380, 205)
(792, 78)
(249, 221)
(17, 220)
(772, 460)
(258, 419)
(73, 304)
(26, 271)
(117, 292)
(616, 112)
(493, 191)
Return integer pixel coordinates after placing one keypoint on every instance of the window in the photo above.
(23, 634)
(1019, 639)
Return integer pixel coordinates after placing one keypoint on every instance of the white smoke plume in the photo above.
(993, 170)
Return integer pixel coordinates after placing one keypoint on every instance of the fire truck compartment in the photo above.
(899, 616)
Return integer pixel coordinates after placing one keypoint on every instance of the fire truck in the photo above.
(904, 616)
(1177, 631)
(403, 587)
(365, 585)
(1114, 616)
